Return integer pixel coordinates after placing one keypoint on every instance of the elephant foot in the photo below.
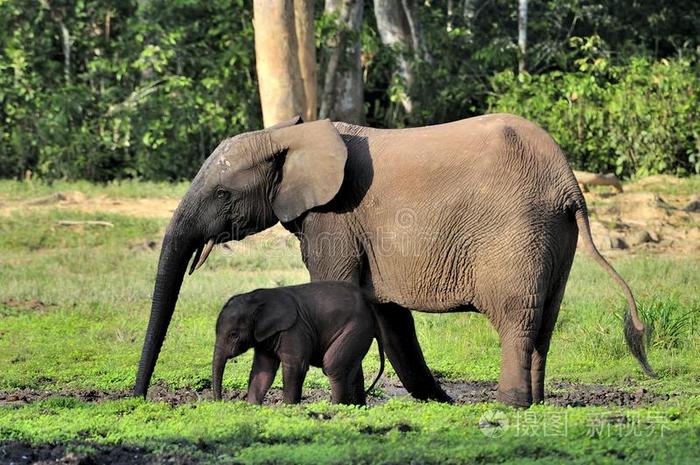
(514, 397)
(538, 396)
(436, 393)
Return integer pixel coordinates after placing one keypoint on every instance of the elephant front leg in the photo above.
(262, 374)
(404, 353)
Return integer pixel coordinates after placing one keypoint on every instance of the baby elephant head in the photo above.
(245, 321)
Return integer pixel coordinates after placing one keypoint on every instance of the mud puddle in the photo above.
(18, 453)
(559, 393)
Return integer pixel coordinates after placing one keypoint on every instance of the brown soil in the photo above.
(644, 222)
(560, 393)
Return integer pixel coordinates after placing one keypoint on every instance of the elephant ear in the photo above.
(313, 167)
(276, 312)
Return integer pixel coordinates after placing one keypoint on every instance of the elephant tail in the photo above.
(380, 347)
(634, 327)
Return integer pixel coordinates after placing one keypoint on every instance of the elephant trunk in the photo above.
(217, 369)
(174, 257)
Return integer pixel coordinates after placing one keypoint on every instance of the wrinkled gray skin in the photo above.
(327, 324)
(480, 215)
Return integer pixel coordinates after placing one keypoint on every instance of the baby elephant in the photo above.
(324, 324)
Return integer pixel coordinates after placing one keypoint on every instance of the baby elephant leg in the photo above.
(344, 388)
(342, 363)
(262, 374)
(360, 398)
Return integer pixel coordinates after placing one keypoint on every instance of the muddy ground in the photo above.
(80, 453)
(18, 453)
(559, 393)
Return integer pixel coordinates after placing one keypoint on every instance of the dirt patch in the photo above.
(159, 392)
(559, 393)
(76, 200)
(13, 452)
(644, 222)
(12, 306)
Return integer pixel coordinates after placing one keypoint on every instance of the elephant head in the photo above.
(247, 184)
(244, 321)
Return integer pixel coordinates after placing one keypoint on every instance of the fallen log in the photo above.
(585, 179)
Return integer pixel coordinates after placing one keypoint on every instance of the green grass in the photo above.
(397, 432)
(22, 190)
(667, 185)
(95, 285)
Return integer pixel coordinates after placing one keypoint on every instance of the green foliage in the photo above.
(636, 119)
(151, 87)
(104, 89)
(467, 47)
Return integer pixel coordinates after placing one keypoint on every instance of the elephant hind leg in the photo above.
(539, 354)
(518, 326)
(549, 320)
(342, 363)
(515, 382)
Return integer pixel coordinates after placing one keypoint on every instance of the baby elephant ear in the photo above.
(276, 312)
(313, 168)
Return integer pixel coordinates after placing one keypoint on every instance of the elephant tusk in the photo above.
(197, 254)
(201, 256)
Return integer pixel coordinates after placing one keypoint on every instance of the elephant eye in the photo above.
(221, 194)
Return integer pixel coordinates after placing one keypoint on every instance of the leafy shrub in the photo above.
(636, 119)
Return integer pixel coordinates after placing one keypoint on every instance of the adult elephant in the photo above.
(480, 215)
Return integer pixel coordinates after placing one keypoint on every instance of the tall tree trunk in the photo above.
(469, 9)
(522, 34)
(304, 27)
(399, 29)
(57, 14)
(343, 93)
(410, 9)
(450, 13)
(277, 61)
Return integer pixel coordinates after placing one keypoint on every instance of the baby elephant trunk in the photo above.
(217, 368)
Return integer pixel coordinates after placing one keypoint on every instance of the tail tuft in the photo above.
(635, 342)
(634, 326)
